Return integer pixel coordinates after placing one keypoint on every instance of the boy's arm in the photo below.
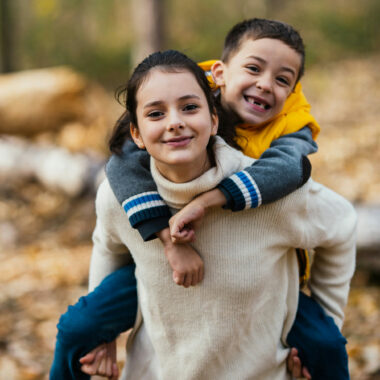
(132, 183)
(281, 169)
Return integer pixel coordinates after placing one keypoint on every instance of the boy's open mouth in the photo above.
(257, 102)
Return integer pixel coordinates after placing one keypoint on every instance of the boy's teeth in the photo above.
(263, 106)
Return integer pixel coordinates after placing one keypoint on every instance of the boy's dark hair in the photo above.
(168, 61)
(258, 28)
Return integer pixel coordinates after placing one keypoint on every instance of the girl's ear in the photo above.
(217, 70)
(214, 123)
(135, 133)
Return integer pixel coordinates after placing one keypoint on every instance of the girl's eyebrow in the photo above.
(159, 102)
(190, 96)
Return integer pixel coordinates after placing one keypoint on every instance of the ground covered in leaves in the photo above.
(48, 268)
(45, 237)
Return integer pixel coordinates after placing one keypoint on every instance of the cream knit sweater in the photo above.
(234, 324)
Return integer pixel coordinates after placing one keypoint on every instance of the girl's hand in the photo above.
(187, 265)
(188, 268)
(295, 366)
(101, 361)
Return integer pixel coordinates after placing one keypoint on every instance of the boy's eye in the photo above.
(190, 107)
(283, 80)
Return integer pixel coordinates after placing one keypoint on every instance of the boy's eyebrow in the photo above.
(285, 68)
(159, 102)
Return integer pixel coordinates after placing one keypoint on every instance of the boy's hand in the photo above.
(184, 223)
(101, 361)
(295, 366)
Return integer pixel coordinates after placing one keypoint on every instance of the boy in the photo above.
(259, 94)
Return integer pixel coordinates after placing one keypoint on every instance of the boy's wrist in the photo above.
(212, 198)
(165, 237)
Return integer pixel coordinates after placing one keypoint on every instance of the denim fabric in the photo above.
(321, 346)
(96, 318)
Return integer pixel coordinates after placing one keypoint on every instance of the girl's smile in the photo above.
(174, 124)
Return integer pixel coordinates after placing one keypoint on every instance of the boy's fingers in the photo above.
(201, 273)
(195, 279)
(179, 279)
(188, 280)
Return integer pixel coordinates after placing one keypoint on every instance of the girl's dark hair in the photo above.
(258, 28)
(168, 61)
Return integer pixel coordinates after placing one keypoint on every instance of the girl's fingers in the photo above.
(306, 373)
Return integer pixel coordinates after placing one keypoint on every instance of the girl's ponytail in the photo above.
(120, 133)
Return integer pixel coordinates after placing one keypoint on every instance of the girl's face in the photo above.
(174, 124)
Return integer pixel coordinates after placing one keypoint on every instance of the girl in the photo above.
(235, 324)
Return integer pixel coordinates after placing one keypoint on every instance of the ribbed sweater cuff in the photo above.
(145, 206)
(243, 189)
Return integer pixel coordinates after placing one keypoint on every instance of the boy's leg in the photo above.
(96, 318)
(321, 346)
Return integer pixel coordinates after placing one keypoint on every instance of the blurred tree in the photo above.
(148, 22)
(6, 42)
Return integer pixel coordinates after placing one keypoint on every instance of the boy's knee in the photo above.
(77, 324)
(334, 349)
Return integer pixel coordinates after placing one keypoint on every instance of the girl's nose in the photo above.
(175, 123)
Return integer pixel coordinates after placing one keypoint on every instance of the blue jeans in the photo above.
(96, 318)
(111, 309)
(321, 346)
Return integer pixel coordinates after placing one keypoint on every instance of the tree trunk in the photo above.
(6, 43)
(149, 26)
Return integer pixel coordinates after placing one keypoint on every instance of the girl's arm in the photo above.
(132, 183)
(281, 169)
(327, 223)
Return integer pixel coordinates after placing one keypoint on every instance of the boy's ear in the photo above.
(217, 70)
(135, 133)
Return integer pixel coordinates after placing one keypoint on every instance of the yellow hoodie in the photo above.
(255, 139)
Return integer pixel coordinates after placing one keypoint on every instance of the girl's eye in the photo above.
(254, 69)
(190, 107)
(155, 114)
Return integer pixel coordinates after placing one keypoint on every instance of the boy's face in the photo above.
(257, 79)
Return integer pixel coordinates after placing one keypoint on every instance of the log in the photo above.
(43, 100)
(54, 167)
(368, 237)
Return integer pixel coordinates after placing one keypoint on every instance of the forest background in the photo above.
(61, 61)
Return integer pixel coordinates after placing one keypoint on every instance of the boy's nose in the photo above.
(264, 83)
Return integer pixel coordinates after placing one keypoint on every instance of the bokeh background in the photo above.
(60, 63)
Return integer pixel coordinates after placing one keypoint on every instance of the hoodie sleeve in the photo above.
(132, 183)
(281, 169)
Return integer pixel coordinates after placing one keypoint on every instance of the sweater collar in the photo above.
(177, 195)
